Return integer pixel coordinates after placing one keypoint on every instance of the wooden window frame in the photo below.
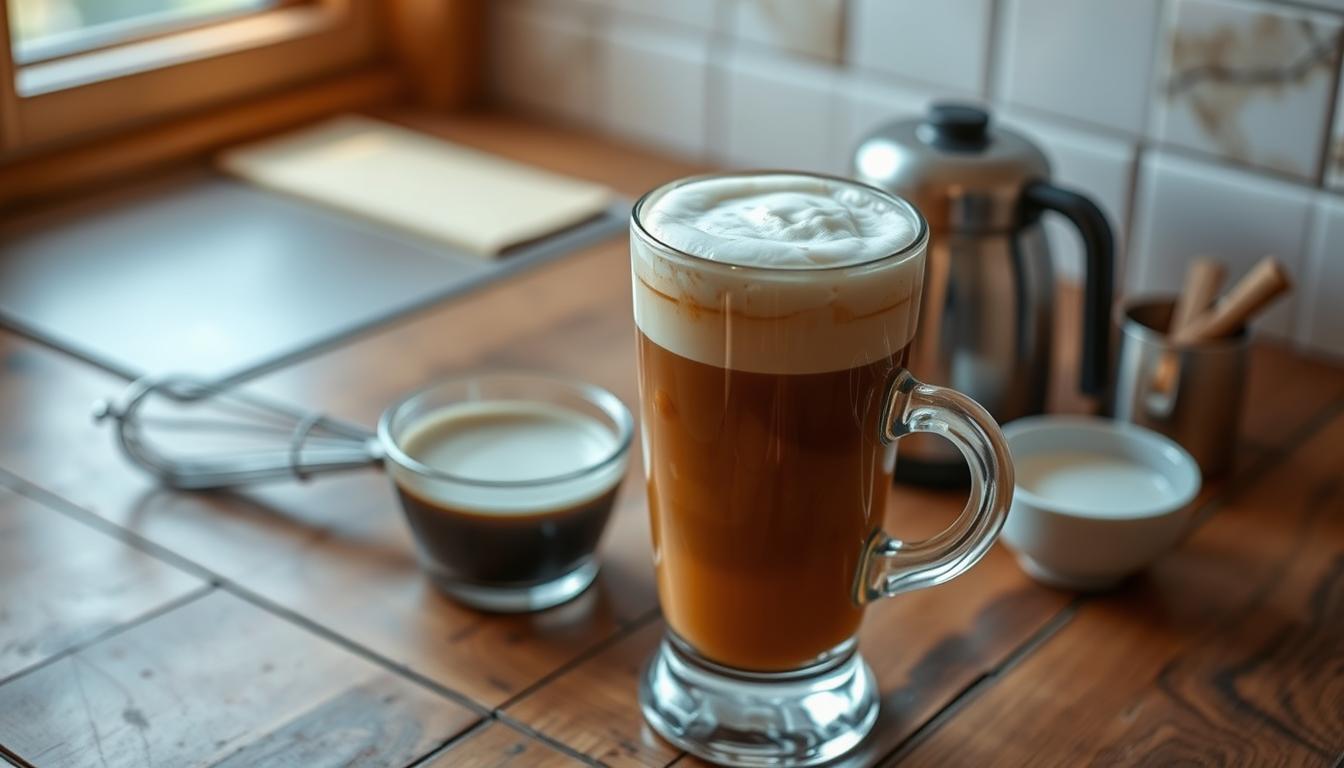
(429, 52)
(97, 93)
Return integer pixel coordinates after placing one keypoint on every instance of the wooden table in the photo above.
(288, 625)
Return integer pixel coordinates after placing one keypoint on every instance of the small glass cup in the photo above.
(513, 544)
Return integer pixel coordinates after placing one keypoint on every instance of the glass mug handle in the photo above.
(891, 566)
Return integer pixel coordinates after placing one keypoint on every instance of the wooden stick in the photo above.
(1262, 285)
(1203, 278)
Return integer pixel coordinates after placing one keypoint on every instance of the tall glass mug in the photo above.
(772, 394)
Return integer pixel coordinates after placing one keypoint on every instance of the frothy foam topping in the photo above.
(505, 441)
(776, 273)
(779, 221)
(509, 441)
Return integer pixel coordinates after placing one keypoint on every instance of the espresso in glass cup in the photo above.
(507, 481)
(774, 315)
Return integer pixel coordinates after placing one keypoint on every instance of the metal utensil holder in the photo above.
(1200, 405)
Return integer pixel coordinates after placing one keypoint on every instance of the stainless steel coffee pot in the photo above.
(988, 309)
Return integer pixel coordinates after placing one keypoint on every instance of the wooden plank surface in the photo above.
(1228, 652)
(498, 745)
(335, 552)
(65, 583)
(221, 682)
(594, 709)
(924, 647)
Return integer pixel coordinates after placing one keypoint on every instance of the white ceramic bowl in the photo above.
(1094, 522)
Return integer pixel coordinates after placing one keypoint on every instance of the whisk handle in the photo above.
(346, 446)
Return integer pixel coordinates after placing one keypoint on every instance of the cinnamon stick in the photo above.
(1266, 281)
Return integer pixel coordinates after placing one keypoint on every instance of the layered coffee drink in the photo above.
(499, 523)
(773, 311)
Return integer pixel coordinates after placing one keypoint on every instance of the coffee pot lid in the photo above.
(962, 172)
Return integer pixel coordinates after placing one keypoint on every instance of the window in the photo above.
(48, 29)
(73, 71)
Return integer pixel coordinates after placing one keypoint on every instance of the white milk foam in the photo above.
(1102, 485)
(510, 441)
(817, 295)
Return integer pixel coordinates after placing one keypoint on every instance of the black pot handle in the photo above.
(1099, 245)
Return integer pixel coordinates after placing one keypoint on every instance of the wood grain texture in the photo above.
(220, 682)
(336, 550)
(594, 708)
(9, 99)
(924, 647)
(440, 45)
(69, 101)
(498, 745)
(1228, 652)
(38, 177)
(64, 583)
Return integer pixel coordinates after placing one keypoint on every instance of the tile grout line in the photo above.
(559, 746)
(621, 633)
(1272, 458)
(8, 758)
(972, 690)
(63, 506)
(78, 513)
(994, 52)
(160, 610)
(368, 654)
(452, 742)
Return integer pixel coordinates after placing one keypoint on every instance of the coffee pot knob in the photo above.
(957, 127)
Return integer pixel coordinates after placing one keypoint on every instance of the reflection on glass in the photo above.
(44, 29)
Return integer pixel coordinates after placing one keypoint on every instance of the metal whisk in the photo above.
(191, 435)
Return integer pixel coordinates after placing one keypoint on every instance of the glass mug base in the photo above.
(524, 598)
(797, 718)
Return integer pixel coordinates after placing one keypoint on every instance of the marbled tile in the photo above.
(1334, 150)
(1248, 82)
(654, 85)
(545, 58)
(1088, 60)
(807, 27)
(702, 14)
(771, 111)
(1320, 323)
(944, 44)
(1187, 208)
(867, 103)
(1096, 165)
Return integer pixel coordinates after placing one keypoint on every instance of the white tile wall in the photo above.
(866, 104)
(1191, 208)
(1321, 319)
(774, 112)
(796, 83)
(811, 28)
(944, 43)
(1246, 81)
(544, 57)
(1088, 60)
(1334, 150)
(654, 85)
(702, 14)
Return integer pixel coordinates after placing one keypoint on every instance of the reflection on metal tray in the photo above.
(221, 280)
